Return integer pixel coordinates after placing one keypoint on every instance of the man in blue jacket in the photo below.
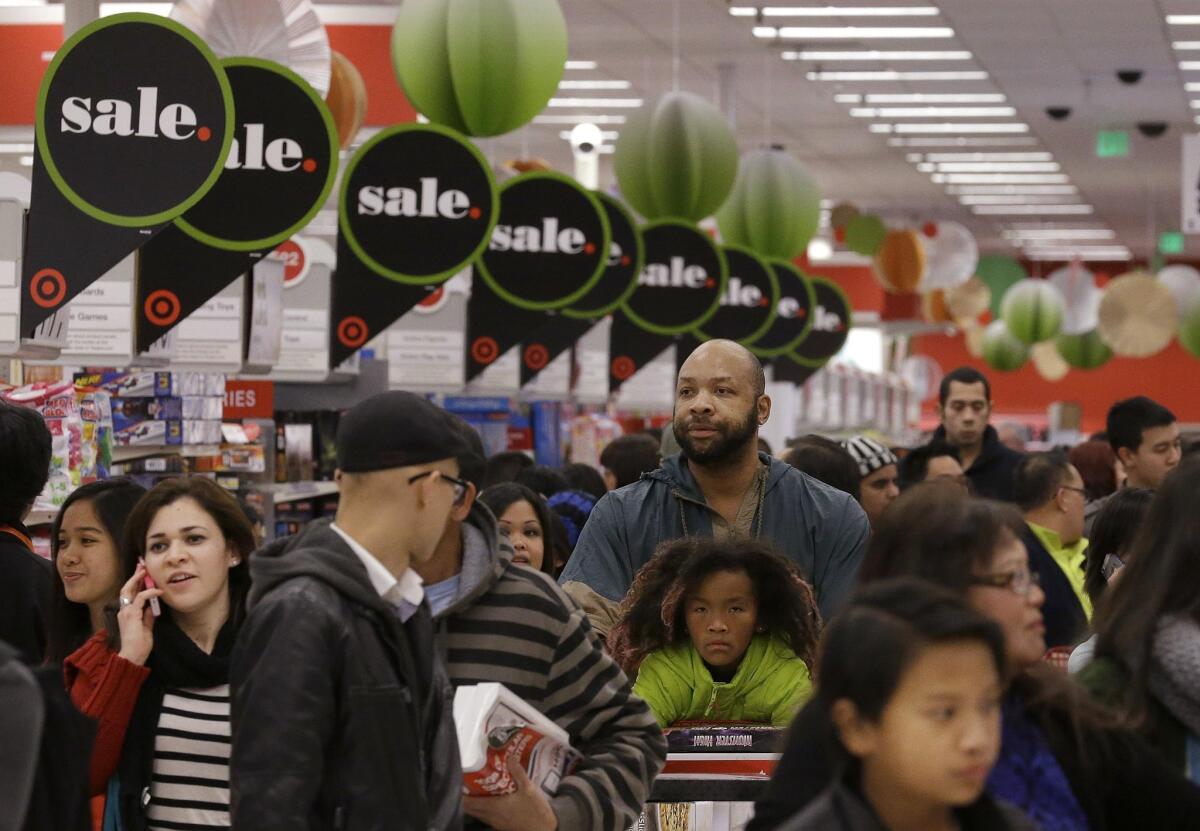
(719, 486)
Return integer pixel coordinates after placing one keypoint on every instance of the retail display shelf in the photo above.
(291, 491)
(126, 454)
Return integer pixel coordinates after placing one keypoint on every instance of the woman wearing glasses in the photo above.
(1061, 761)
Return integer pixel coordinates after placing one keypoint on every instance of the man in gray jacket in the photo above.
(720, 486)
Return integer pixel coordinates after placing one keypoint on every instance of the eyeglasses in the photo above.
(1081, 491)
(460, 485)
(1020, 582)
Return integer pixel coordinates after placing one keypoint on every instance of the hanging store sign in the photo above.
(681, 284)
(626, 255)
(748, 304)
(832, 318)
(793, 314)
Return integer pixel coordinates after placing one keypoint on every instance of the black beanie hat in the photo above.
(395, 429)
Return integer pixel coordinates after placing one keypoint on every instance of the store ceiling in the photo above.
(1034, 53)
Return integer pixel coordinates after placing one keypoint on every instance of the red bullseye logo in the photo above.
(352, 332)
(162, 307)
(485, 350)
(623, 367)
(434, 297)
(536, 356)
(48, 288)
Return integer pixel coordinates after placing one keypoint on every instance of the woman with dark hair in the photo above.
(85, 548)
(1147, 661)
(186, 546)
(723, 631)
(524, 517)
(908, 695)
(1063, 760)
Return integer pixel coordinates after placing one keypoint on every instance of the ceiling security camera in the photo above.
(586, 139)
(1129, 76)
(1152, 129)
(1059, 113)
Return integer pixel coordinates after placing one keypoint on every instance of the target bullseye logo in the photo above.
(623, 367)
(352, 332)
(162, 307)
(536, 356)
(48, 288)
(484, 350)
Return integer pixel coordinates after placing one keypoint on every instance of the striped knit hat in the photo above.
(868, 454)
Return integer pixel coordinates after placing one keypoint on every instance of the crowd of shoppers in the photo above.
(906, 613)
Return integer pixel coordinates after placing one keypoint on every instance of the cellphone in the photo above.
(148, 583)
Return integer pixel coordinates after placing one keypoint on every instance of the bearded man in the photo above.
(718, 486)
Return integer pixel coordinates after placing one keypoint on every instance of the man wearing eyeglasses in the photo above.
(340, 710)
(1049, 490)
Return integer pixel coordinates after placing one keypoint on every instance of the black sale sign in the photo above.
(748, 303)
(793, 314)
(681, 284)
(832, 318)
(626, 255)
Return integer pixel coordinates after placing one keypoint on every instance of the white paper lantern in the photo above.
(1184, 283)
(1082, 296)
(950, 257)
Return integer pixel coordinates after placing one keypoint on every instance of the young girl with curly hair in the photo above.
(719, 632)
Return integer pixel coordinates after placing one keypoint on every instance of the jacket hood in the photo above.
(991, 444)
(674, 473)
(486, 556)
(318, 552)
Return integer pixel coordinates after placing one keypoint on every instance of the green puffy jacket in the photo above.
(769, 686)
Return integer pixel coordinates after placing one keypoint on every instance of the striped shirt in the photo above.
(190, 784)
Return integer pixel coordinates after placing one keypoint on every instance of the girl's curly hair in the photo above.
(653, 612)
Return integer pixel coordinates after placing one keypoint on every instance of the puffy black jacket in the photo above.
(994, 471)
(340, 712)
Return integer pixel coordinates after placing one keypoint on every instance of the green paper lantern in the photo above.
(999, 274)
(1086, 351)
(865, 235)
(482, 67)
(1033, 311)
(676, 158)
(1001, 350)
(774, 208)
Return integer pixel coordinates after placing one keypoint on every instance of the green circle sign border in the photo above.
(775, 292)
(334, 151)
(533, 306)
(638, 261)
(809, 362)
(369, 261)
(723, 283)
(812, 304)
(40, 130)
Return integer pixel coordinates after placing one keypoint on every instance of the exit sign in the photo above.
(1170, 242)
(1111, 144)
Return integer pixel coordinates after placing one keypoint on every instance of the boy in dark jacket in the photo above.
(340, 710)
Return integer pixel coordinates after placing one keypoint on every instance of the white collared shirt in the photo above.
(404, 595)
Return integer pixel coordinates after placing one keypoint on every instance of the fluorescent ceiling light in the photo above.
(894, 75)
(871, 55)
(934, 98)
(1189, 66)
(1060, 233)
(998, 167)
(835, 11)
(999, 178)
(848, 98)
(965, 141)
(1061, 190)
(1183, 19)
(1067, 254)
(1192, 86)
(595, 118)
(594, 85)
(933, 112)
(853, 32)
(1004, 210)
(604, 103)
(986, 157)
(1009, 199)
(580, 65)
(950, 127)
(1186, 45)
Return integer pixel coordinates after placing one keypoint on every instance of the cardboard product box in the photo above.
(128, 384)
(128, 412)
(166, 432)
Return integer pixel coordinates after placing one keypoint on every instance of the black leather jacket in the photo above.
(341, 714)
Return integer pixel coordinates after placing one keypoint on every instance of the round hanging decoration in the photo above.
(281, 164)
(999, 274)
(973, 338)
(140, 140)
(865, 234)
(950, 257)
(832, 318)
(626, 256)
(676, 157)
(286, 32)
(1086, 351)
(1138, 315)
(1081, 298)
(347, 99)
(841, 215)
(550, 244)
(774, 208)
(793, 314)
(900, 263)
(967, 302)
(748, 306)
(1050, 365)
(482, 67)
(1184, 284)
(417, 203)
(933, 307)
(1001, 350)
(1033, 311)
(681, 284)
(924, 375)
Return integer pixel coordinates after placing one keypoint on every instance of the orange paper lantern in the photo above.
(900, 263)
(347, 98)
(933, 307)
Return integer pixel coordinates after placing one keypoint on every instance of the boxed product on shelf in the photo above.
(128, 383)
(201, 432)
(166, 432)
(130, 411)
